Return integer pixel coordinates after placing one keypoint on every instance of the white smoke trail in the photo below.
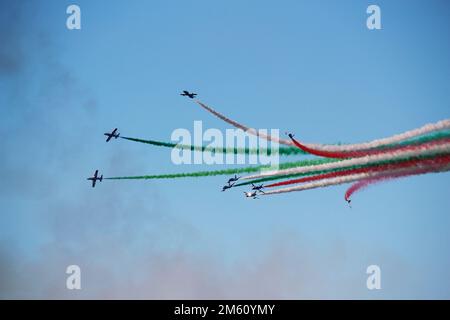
(356, 177)
(245, 128)
(320, 184)
(428, 128)
(423, 150)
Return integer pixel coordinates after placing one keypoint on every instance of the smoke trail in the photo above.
(359, 153)
(286, 165)
(344, 179)
(420, 150)
(379, 168)
(358, 186)
(284, 151)
(287, 176)
(421, 139)
(426, 129)
(248, 182)
(243, 127)
(189, 174)
(296, 175)
(320, 184)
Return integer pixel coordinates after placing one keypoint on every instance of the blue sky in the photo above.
(311, 67)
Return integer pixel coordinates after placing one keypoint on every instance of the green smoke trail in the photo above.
(282, 166)
(444, 134)
(284, 151)
(374, 164)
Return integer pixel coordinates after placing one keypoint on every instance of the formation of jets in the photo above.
(230, 183)
(186, 93)
(254, 194)
(113, 134)
(95, 178)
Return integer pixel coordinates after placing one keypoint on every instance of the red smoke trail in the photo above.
(363, 153)
(394, 175)
(439, 160)
(428, 128)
